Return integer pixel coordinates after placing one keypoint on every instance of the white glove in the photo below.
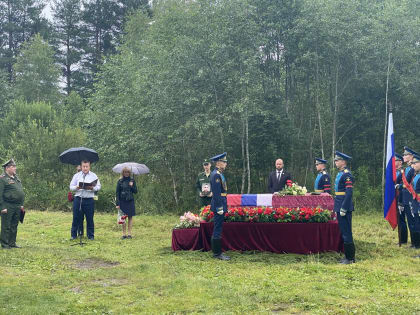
(343, 212)
(400, 208)
(220, 210)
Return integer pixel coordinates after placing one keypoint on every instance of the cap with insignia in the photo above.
(11, 162)
(416, 158)
(320, 161)
(206, 161)
(408, 151)
(341, 156)
(398, 157)
(220, 157)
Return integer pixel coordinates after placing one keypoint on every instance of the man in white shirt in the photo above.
(85, 183)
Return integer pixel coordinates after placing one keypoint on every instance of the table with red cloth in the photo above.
(324, 201)
(299, 238)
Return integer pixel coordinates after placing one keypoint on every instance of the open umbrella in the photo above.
(76, 155)
(135, 168)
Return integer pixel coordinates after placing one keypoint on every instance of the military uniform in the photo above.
(218, 206)
(11, 198)
(323, 180)
(343, 206)
(203, 180)
(402, 224)
(415, 206)
(406, 197)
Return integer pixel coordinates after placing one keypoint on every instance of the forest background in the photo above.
(170, 83)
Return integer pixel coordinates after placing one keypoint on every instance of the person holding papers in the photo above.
(85, 183)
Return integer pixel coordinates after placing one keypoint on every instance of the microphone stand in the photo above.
(80, 210)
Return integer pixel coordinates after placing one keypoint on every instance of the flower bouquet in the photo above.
(188, 220)
(270, 214)
(293, 189)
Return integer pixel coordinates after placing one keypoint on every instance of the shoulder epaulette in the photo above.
(346, 171)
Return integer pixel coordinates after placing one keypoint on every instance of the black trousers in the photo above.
(83, 207)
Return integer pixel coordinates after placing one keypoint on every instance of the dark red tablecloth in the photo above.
(324, 201)
(186, 239)
(299, 238)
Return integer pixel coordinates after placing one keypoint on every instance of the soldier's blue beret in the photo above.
(408, 151)
(341, 156)
(398, 157)
(220, 157)
(320, 161)
(416, 158)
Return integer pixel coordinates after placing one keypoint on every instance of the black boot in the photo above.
(217, 250)
(413, 239)
(416, 240)
(349, 251)
(404, 237)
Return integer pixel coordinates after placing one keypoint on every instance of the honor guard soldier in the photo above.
(11, 204)
(343, 205)
(402, 225)
(203, 185)
(415, 205)
(323, 180)
(218, 204)
(406, 197)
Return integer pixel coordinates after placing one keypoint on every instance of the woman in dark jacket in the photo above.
(126, 188)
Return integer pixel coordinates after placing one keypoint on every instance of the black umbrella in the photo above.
(75, 156)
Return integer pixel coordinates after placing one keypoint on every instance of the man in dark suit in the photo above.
(279, 178)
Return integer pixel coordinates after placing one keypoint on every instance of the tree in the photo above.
(36, 72)
(69, 40)
(19, 21)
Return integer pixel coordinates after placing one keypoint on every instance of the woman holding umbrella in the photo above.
(126, 188)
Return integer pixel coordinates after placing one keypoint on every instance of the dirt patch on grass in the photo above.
(93, 263)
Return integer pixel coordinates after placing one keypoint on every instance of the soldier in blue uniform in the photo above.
(402, 225)
(415, 205)
(218, 204)
(406, 197)
(343, 205)
(323, 180)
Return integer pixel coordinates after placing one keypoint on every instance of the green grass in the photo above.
(143, 275)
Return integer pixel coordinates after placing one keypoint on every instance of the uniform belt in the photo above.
(319, 190)
(340, 193)
(223, 194)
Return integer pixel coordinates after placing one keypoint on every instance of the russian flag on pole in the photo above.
(390, 204)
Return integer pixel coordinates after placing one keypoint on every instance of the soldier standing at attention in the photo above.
(218, 204)
(203, 185)
(407, 198)
(402, 223)
(11, 204)
(323, 180)
(415, 163)
(343, 205)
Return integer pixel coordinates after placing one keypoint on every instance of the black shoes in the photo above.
(15, 246)
(123, 237)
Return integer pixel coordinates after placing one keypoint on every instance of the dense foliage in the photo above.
(180, 81)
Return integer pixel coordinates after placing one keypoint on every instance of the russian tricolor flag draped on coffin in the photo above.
(390, 203)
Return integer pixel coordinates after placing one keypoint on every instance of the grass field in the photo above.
(143, 275)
